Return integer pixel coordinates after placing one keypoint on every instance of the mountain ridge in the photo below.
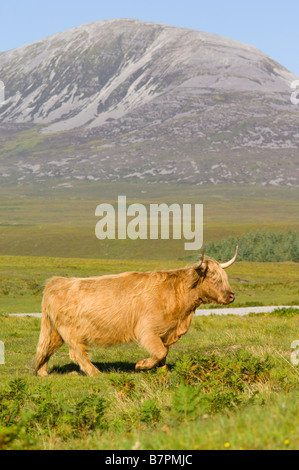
(105, 89)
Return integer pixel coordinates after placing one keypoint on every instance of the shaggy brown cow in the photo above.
(153, 309)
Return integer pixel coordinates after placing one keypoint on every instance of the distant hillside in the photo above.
(124, 100)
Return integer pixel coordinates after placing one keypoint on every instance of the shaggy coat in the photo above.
(153, 309)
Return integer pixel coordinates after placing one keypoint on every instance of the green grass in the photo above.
(231, 385)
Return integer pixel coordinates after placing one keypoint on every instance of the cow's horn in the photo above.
(229, 263)
(199, 263)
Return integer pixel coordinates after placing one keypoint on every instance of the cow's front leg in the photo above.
(180, 330)
(157, 350)
(163, 362)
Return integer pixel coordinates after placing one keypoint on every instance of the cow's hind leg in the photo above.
(79, 354)
(48, 344)
(154, 345)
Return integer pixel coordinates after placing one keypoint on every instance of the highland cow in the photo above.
(153, 309)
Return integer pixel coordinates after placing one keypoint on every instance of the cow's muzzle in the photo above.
(231, 297)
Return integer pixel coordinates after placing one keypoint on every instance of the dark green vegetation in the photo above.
(258, 246)
(231, 384)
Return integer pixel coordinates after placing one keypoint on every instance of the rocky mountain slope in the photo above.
(125, 100)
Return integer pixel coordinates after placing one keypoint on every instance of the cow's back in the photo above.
(106, 309)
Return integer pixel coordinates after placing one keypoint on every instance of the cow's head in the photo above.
(214, 286)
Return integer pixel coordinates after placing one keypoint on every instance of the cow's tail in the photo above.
(49, 342)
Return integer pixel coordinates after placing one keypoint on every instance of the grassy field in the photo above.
(36, 220)
(230, 384)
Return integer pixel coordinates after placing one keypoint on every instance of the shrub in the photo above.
(88, 413)
(285, 312)
(149, 412)
(259, 246)
(123, 383)
(211, 371)
(22, 412)
(189, 403)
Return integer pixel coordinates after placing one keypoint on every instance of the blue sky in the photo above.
(270, 25)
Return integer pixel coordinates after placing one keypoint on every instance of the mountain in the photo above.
(124, 100)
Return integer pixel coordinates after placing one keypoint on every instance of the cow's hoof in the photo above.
(142, 365)
(42, 373)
